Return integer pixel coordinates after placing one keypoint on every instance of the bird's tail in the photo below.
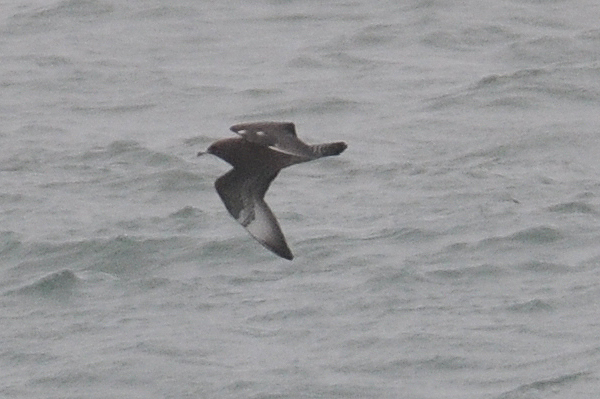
(326, 150)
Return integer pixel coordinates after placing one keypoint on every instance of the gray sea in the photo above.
(453, 251)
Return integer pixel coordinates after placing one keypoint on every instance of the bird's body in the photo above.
(263, 149)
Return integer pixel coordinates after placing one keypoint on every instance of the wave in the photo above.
(312, 106)
(9, 243)
(125, 166)
(572, 207)
(65, 9)
(543, 387)
(485, 271)
(56, 283)
(527, 88)
(530, 235)
(544, 267)
(119, 256)
(537, 235)
(533, 306)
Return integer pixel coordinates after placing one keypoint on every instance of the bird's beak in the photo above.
(202, 153)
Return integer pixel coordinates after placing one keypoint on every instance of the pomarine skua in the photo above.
(257, 156)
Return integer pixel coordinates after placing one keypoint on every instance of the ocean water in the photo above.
(451, 252)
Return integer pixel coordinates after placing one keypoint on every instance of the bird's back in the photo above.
(243, 154)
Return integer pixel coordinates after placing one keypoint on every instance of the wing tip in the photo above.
(281, 250)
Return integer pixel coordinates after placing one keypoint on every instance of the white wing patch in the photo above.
(265, 229)
(261, 226)
(246, 216)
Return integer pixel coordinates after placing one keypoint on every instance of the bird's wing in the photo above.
(243, 196)
(280, 136)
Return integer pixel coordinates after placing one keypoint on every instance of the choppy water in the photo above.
(451, 251)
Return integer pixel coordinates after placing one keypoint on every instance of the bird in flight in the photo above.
(257, 156)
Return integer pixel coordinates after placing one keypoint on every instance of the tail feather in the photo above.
(330, 149)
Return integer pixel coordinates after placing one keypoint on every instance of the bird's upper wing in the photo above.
(278, 135)
(243, 196)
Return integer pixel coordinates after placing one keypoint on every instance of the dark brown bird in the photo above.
(263, 149)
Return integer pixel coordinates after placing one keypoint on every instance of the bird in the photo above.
(257, 156)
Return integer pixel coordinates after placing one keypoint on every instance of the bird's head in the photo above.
(226, 149)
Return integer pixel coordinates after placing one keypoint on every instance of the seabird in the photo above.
(257, 156)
